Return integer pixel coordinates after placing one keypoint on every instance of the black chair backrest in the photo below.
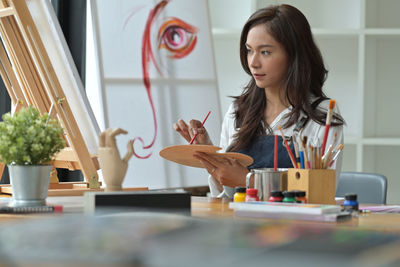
(369, 187)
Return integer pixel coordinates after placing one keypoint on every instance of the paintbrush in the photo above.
(296, 152)
(202, 124)
(307, 162)
(328, 123)
(340, 147)
(327, 157)
(288, 148)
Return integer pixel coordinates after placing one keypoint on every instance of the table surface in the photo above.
(206, 207)
(213, 208)
(212, 233)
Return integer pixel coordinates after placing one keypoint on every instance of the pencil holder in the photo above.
(319, 184)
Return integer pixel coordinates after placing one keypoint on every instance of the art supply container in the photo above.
(289, 197)
(350, 203)
(300, 196)
(251, 194)
(240, 194)
(319, 184)
(275, 196)
(267, 180)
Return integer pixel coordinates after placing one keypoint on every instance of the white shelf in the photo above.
(325, 13)
(381, 90)
(360, 43)
(384, 159)
(385, 31)
(381, 141)
(382, 14)
(353, 140)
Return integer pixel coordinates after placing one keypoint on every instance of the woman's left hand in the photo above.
(228, 172)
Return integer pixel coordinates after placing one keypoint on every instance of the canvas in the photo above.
(156, 65)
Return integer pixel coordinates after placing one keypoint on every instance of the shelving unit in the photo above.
(360, 41)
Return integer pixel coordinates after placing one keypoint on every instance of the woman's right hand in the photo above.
(188, 131)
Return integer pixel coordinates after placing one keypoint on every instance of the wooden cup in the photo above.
(319, 184)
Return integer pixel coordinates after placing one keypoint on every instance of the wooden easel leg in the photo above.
(1, 170)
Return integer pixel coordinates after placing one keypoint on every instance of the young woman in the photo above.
(287, 73)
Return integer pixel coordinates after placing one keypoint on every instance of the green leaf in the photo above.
(29, 138)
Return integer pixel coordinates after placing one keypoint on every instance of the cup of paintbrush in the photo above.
(327, 157)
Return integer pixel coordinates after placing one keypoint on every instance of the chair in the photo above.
(369, 187)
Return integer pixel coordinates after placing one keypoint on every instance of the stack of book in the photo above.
(297, 211)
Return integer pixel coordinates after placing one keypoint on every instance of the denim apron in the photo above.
(262, 151)
(262, 148)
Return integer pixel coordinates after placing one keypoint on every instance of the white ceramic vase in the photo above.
(30, 184)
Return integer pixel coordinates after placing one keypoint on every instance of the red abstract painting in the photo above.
(178, 38)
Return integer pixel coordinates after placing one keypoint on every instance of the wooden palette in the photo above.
(183, 154)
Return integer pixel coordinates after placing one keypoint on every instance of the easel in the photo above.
(30, 79)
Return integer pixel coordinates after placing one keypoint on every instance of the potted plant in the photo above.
(28, 144)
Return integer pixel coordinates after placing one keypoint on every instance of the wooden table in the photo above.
(214, 237)
(203, 207)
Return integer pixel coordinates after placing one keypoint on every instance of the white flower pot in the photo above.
(30, 184)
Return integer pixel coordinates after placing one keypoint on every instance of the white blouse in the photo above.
(312, 130)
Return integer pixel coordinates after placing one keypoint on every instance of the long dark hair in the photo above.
(304, 79)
